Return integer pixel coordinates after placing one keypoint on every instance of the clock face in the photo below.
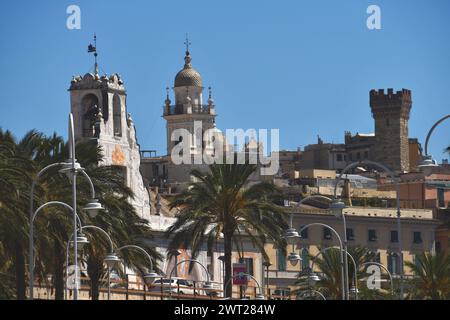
(118, 158)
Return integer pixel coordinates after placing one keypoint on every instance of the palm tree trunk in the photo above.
(58, 271)
(19, 265)
(95, 273)
(228, 247)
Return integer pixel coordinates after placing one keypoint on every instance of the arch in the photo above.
(117, 116)
(90, 109)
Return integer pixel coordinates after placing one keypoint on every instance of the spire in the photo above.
(168, 102)
(93, 48)
(187, 58)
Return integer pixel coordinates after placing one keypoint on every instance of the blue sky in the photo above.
(305, 67)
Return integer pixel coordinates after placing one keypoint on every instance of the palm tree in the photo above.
(14, 180)
(432, 276)
(328, 265)
(19, 161)
(222, 202)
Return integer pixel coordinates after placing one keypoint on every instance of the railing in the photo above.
(179, 109)
(121, 289)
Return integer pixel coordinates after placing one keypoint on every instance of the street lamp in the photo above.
(258, 296)
(93, 207)
(148, 277)
(427, 161)
(397, 190)
(70, 167)
(207, 286)
(82, 241)
(31, 239)
(292, 236)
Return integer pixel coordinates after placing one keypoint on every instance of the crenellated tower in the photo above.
(391, 114)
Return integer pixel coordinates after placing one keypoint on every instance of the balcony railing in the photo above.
(179, 109)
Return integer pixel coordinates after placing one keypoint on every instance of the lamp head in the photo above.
(336, 206)
(81, 241)
(427, 162)
(291, 236)
(67, 168)
(313, 279)
(111, 260)
(93, 207)
(259, 296)
(294, 258)
(150, 276)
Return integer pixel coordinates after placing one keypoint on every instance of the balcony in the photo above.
(181, 109)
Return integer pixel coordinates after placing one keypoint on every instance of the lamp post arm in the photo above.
(183, 261)
(431, 131)
(386, 269)
(31, 240)
(247, 275)
(55, 203)
(90, 183)
(344, 295)
(140, 249)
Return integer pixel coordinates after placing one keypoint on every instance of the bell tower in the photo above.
(98, 105)
(188, 108)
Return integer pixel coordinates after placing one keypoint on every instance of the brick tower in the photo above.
(391, 113)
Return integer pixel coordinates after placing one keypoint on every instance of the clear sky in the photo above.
(305, 67)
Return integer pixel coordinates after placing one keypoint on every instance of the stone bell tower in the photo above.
(188, 107)
(98, 105)
(391, 113)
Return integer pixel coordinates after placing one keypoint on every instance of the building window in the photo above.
(117, 116)
(441, 198)
(374, 256)
(350, 156)
(394, 236)
(304, 233)
(417, 237)
(366, 154)
(248, 263)
(281, 261)
(339, 157)
(393, 263)
(350, 234)
(372, 235)
(326, 233)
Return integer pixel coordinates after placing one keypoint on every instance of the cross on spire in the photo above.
(93, 48)
(187, 43)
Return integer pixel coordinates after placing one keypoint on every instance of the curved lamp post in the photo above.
(292, 236)
(112, 258)
(81, 239)
(317, 293)
(355, 272)
(31, 238)
(206, 286)
(258, 296)
(386, 269)
(339, 205)
(71, 167)
(428, 161)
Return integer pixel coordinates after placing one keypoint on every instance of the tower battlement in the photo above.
(380, 98)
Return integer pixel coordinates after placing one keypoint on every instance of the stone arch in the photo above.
(90, 109)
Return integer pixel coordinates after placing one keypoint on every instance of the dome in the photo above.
(188, 76)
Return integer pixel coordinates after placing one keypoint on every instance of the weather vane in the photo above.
(187, 43)
(93, 48)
